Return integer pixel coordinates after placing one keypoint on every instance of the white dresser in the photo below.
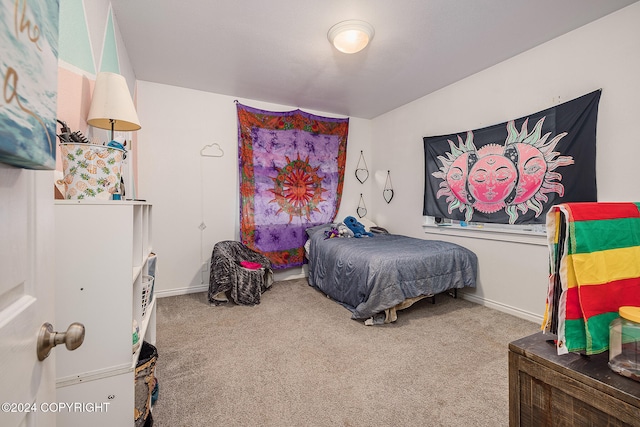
(103, 252)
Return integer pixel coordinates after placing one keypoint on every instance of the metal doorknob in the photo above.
(47, 338)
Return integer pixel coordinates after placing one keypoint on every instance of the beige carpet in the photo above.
(298, 359)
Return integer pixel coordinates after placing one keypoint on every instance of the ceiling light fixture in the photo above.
(350, 36)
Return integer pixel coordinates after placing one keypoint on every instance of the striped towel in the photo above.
(594, 270)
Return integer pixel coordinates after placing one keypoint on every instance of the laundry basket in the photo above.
(90, 170)
(147, 293)
(145, 382)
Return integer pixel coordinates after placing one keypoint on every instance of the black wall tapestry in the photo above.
(512, 173)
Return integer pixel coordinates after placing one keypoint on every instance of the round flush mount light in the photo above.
(350, 36)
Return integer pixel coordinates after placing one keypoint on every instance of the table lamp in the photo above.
(111, 105)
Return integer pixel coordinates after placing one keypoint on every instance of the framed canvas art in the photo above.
(29, 71)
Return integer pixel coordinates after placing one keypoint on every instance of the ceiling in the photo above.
(277, 50)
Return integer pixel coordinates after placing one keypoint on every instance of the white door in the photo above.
(27, 385)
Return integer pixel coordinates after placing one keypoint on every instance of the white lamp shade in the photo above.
(350, 36)
(111, 105)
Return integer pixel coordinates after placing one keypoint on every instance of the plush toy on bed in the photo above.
(357, 228)
(331, 233)
(338, 230)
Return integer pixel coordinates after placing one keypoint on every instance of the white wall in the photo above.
(188, 190)
(603, 54)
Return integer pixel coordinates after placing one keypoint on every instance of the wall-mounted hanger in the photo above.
(362, 209)
(362, 172)
(387, 193)
(216, 152)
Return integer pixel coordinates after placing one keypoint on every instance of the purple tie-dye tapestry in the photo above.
(291, 178)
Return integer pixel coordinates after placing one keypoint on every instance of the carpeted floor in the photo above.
(298, 359)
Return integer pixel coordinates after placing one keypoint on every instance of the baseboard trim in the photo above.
(182, 291)
(522, 314)
(291, 273)
(278, 276)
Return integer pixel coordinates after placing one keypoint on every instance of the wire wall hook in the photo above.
(212, 150)
(387, 193)
(362, 173)
(362, 209)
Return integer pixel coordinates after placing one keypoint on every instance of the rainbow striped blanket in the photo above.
(594, 270)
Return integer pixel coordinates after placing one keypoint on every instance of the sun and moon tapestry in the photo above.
(291, 167)
(514, 172)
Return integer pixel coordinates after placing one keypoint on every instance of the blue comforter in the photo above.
(371, 274)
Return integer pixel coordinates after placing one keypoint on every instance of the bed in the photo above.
(373, 277)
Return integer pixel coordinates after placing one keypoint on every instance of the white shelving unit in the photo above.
(102, 253)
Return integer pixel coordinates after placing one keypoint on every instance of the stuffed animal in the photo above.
(331, 233)
(344, 230)
(357, 228)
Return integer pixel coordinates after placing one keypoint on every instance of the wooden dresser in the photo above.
(569, 390)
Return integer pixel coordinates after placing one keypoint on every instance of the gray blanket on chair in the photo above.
(228, 279)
